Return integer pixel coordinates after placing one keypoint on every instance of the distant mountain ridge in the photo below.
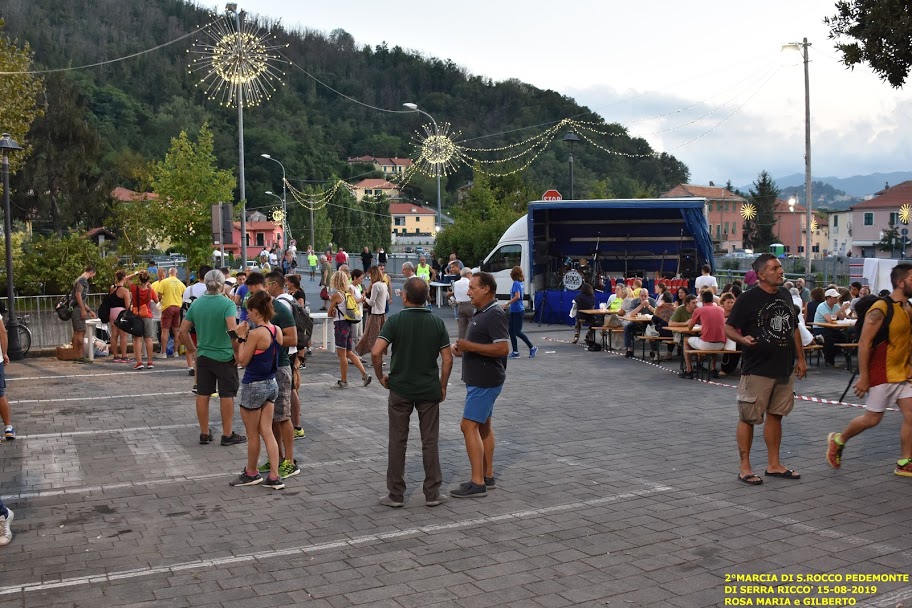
(857, 185)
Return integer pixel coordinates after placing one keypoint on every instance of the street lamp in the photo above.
(793, 202)
(284, 200)
(14, 349)
(231, 8)
(802, 47)
(571, 138)
(414, 108)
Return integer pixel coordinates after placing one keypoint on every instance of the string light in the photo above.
(231, 61)
(905, 213)
(748, 211)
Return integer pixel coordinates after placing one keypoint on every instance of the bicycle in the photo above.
(25, 334)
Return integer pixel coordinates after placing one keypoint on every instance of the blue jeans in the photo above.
(516, 323)
(3, 511)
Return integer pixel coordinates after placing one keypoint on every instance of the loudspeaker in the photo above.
(688, 263)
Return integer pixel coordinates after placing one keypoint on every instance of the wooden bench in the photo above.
(847, 348)
(697, 365)
(811, 349)
(653, 340)
(606, 335)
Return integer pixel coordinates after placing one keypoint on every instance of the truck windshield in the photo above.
(504, 258)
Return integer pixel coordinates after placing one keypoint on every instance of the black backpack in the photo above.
(303, 325)
(862, 306)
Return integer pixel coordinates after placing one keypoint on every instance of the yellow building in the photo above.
(412, 220)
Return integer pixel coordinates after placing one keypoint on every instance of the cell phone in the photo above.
(233, 334)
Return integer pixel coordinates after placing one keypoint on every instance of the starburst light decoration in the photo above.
(813, 225)
(232, 63)
(905, 213)
(748, 211)
(437, 151)
(278, 216)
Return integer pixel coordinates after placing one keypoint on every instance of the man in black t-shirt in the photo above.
(763, 321)
(484, 353)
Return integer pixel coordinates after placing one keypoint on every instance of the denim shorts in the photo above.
(479, 403)
(254, 395)
(2, 379)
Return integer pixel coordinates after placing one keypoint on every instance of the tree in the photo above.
(188, 183)
(889, 237)
(759, 231)
(19, 93)
(876, 32)
(49, 265)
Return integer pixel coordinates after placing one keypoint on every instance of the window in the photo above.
(894, 218)
(718, 230)
(734, 228)
(260, 239)
(835, 221)
(504, 258)
(816, 248)
(398, 220)
(869, 218)
(726, 206)
(800, 248)
(709, 206)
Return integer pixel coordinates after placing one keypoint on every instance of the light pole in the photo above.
(231, 8)
(284, 200)
(803, 48)
(414, 107)
(571, 138)
(793, 202)
(14, 349)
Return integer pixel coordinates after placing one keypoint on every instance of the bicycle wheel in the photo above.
(25, 339)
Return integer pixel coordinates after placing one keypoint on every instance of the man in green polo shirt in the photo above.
(414, 382)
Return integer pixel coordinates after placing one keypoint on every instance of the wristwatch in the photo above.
(241, 340)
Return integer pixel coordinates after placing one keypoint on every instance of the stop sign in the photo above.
(552, 195)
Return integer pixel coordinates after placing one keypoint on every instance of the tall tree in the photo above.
(188, 183)
(876, 32)
(763, 196)
(19, 92)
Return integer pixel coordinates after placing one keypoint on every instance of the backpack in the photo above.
(303, 325)
(63, 309)
(862, 306)
(104, 309)
(351, 312)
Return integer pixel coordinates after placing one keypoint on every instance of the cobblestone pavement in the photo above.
(616, 485)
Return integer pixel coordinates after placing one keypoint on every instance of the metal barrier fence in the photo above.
(37, 313)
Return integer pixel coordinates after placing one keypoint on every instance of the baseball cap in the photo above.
(831, 293)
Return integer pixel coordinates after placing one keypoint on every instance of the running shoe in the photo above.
(834, 451)
(532, 352)
(190, 371)
(299, 433)
(265, 467)
(138, 366)
(387, 501)
(366, 379)
(246, 480)
(340, 384)
(274, 484)
(490, 483)
(469, 490)
(6, 531)
(149, 364)
(288, 469)
(234, 439)
(9, 432)
(513, 355)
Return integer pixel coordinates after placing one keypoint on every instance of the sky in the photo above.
(704, 80)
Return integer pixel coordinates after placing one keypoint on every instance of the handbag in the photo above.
(63, 309)
(324, 294)
(130, 323)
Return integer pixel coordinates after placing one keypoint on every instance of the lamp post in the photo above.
(414, 107)
(284, 200)
(14, 349)
(793, 202)
(231, 8)
(802, 47)
(571, 138)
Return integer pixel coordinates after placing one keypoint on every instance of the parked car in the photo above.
(419, 250)
(408, 249)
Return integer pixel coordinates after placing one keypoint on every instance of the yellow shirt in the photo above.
(170, 292)
(424, 272)
(890, 360)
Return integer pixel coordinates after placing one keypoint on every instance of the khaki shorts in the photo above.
(759, 395)
(882, 396)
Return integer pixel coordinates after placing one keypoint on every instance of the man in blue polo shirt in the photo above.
(484, 353)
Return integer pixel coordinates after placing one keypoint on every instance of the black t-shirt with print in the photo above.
(770, 318)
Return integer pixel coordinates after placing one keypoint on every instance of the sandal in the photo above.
(786, 474)
(751, 479)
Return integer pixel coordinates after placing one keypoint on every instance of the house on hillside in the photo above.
(374, 187)
(412, 220)
(722, 211)
(125, 195)
(872, 217)
(387, 166)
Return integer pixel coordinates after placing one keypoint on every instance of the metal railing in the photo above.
(37, 312)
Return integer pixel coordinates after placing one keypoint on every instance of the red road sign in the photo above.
(552, 195)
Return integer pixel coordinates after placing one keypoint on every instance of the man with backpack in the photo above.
(884, 348)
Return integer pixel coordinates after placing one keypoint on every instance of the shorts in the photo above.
(479, 403)
(254, 395)
(343, 332)
(283, 399)
(884, 395)
(211, 373)
(171, 318)
(2, 379)
(79, 322)
(148, 327)
(759, 395)
(697, 343)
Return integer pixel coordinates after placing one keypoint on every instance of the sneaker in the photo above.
(190, 371)
(386, 501)
(246, 480)
(9, 432)
(469, 490)
(340, 384)
(265, 467)
(834, 451)
(366, 380)
(6, 532)
(490, 483)
(161, 356)
(299, 433)
(532, 352)
(149, 364)
(513, 355)
(193, 390)
(206, 439)
(436, 502)
(138, 366)
(818, 340)
(234, 439)
(903, 467)
(686, 375)
(274, 484)
(288, 469)
(713, 373)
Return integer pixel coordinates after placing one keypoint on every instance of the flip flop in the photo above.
(786, 474)
(751, 480)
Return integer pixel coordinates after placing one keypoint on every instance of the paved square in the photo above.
(616, 485)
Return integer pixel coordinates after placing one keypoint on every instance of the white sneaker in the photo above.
(6, 531)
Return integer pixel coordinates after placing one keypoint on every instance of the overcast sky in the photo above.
(704, 80)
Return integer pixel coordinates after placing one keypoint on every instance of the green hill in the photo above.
(104, 124)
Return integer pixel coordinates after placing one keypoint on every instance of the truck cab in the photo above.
(512, 250)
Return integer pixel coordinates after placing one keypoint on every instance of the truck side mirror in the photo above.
(484, 267)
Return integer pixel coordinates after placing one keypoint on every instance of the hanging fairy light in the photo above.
(748, 211)
(229, 59)
(905, 213)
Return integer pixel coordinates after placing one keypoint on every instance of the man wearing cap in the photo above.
(829, 311)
